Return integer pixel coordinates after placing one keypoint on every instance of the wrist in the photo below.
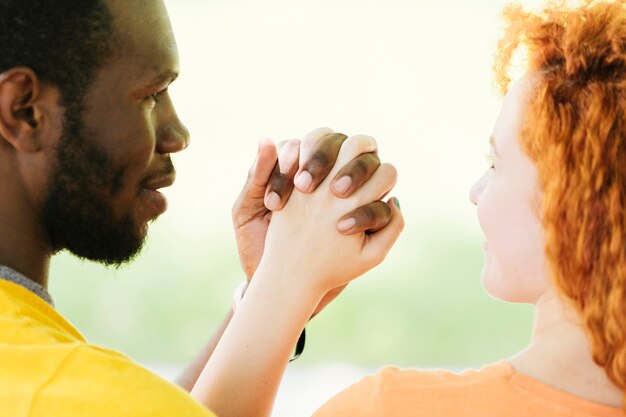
(294, 281)
(238, 297)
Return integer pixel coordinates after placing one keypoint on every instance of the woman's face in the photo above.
(508, 201)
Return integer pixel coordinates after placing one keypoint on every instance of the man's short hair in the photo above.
(63, 41)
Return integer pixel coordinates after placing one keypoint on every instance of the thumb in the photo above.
(251, 197)
(258, 179)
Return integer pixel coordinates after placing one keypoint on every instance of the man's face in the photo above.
(113, 157)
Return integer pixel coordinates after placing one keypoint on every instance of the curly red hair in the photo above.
(575, 132)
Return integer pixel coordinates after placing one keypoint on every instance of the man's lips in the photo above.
(160, 182)
(154, 199)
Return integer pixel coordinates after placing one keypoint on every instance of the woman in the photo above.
(552, 206)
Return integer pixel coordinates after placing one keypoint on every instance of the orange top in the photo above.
(495, 390)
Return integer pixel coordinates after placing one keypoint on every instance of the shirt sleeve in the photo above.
(96, 382)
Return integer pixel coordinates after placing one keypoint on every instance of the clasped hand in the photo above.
(339, 183)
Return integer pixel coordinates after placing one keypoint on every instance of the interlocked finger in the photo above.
(280, 184)
(383, 180)
(352, 176)
(317, 158)
(369, 218)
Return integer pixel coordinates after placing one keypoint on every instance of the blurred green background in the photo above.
(417, 76)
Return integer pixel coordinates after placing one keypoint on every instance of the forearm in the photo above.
(191, 374)
(243, 374)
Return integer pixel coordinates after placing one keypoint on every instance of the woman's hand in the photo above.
(305, 257)
(304, 242)
(270, 183)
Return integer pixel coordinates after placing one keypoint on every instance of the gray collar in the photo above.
(11, 275)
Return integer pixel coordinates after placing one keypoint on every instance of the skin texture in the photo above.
(515, 264)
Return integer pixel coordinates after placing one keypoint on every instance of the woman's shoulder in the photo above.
(442, 378)
(406, 392)
(493, 390)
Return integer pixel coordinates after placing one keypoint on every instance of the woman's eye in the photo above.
(489, 160)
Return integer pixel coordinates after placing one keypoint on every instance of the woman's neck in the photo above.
(559, 354)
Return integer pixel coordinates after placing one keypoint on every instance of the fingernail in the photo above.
(397, 203)
(304, 180)
(272, 201)
(346, 224)
(342, 185)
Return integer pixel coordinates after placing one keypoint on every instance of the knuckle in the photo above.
(361, 166)
(365, 165)
(318, 161)
(383, 214)
(390, 171)
(386, 210)
(333, 137)
(372, 158)
(315, 135)
(278, 182)
(364, 143)
(368, 214)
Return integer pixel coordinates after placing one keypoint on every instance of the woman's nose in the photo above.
(477, 189)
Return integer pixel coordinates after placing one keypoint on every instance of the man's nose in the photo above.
(173, 138)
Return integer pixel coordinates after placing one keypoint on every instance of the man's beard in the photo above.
(77, 212)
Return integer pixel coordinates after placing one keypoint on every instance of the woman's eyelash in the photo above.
(489, 160)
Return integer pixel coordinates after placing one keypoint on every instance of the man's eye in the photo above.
(156, 95)
(489, 160)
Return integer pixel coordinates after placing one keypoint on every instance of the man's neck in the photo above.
(23, 244)
(25, 257)
(559, 354)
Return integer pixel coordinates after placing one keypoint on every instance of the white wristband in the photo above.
(238, 294)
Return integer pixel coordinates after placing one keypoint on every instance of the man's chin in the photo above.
(113, 259)
(114, 252)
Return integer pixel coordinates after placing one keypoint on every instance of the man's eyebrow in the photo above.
(492, 141)
(165, 77)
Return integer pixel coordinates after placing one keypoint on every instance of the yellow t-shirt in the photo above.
(495, 390)
(48, 369)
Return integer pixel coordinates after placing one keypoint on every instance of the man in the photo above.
(86, 132)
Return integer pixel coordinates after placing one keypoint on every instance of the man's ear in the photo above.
(22, 109)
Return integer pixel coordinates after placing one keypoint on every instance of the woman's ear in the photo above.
(23, 109)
